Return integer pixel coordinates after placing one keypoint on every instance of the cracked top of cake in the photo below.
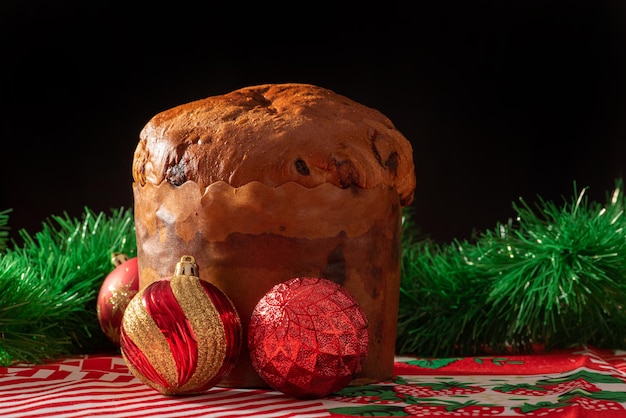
(275, 134)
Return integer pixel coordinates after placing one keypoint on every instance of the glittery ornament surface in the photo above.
(308, 337)
(117, 289)
(181, 335)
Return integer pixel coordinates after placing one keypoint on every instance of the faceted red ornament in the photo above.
(181, 335)
(117, 289)
(308, 337)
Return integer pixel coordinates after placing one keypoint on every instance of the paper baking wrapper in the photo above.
(246, 240)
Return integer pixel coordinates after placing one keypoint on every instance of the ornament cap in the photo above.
(118, 258)
(186, 266)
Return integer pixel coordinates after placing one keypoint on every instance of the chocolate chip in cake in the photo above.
(335, 268)
(392, 163)
(301, 167)
(348, 175)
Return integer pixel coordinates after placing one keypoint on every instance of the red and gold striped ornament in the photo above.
(181, 335)
(308, 337)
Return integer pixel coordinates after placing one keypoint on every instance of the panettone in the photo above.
(277, 181)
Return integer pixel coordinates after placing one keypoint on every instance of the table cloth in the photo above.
(577, 382)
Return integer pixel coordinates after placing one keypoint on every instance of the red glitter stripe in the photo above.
(232, 330)
(164, 309)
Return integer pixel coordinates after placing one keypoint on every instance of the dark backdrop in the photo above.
(500, 99)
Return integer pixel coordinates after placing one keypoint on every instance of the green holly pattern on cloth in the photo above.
(583, 383)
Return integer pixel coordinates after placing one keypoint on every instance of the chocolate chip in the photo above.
(376, 154)
(301, 167)
(335, 268)
(392, 162)
(348, 175)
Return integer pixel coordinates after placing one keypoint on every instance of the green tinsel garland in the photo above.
(49, 285)
(554, 277)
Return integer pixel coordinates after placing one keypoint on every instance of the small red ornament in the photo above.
(117, 289)
(308, 337)
(181, 335)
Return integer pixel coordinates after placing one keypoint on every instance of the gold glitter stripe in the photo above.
(147, 336)
(208, 327)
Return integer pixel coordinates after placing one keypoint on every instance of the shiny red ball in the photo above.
(308, 337)
(117, 289)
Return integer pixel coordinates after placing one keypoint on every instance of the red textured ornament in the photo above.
(308, 337)
(117, 289)
(181, 335)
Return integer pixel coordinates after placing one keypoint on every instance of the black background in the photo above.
(500, 100)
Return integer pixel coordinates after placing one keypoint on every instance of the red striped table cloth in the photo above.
(583, 382)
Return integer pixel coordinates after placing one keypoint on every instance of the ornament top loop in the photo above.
(118, 258)
(186, 266)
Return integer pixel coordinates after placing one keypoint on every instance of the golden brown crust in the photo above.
(275, 134)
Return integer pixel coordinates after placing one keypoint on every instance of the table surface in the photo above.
(582, 382)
